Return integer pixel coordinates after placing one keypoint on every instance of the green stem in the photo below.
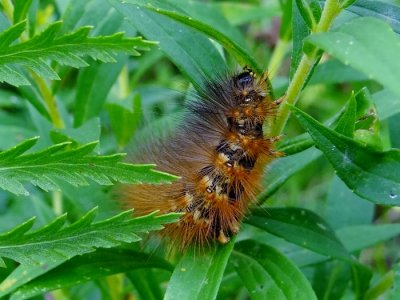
(330, 11)
(277, 57)
(123, 81)
(58, 122)
(57, 202)
(50, 101)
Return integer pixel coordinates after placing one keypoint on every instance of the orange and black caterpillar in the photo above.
(219, 151)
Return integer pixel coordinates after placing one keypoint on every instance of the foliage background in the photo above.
(329, 225)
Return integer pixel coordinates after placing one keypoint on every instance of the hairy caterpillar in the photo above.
(219, 151)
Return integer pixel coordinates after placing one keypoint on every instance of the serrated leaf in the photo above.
(67, 49)
(361, 40)
(301, 227)
(268, 274)
(200, 280)
(371, 174)
(47, 247)
(91, 266)
(71, 165)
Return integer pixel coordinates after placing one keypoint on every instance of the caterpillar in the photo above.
(219, 151)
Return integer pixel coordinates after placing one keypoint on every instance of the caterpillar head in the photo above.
(248, 88)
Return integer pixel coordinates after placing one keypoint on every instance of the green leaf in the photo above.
(80, 237)
(21, 9)
(146, 284)
(296, 144)
(199, 280)
(268, 274)
(359, 237)
(344, 208)
(209, 14)
(333, 71)
(47, 247)
(193, 53)
(395, 291)
(354, 238)
(231, 285)
(346, 3)
(381, 288)
(331, 279)
(125, 117)
(361, 277)
(281, 169)
(74, 13)
(387, 104)
(287, 28)
(239, 13)
(71, 165)
(310, 10)
(66, 49)
(95, 82)
(11, 135)
(361, 40)
(90, 131)
(301, 227)
(300, 32)
(361, 102)
(371, 174)
(390, 13)
(240, 54)
(91, 266)
(347, 121)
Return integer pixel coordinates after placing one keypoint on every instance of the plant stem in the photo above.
(330, 11)
(58, 122)
(123, 81)
(57, 202)
(277, 57)
(50, 101)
